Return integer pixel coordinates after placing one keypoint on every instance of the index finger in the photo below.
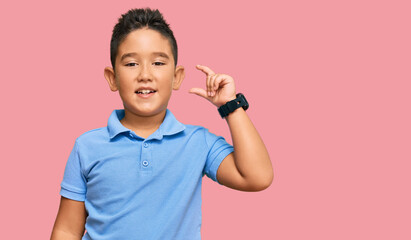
(205, 70)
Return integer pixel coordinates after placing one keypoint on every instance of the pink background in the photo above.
(328, 83)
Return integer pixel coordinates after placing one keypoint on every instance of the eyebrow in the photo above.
(133, 54)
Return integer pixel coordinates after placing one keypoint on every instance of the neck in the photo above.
(143, 126)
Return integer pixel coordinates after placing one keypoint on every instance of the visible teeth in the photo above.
(144, 91)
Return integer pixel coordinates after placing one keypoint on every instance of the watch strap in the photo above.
(232, 105)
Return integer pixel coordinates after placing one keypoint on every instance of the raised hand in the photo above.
(220, 88)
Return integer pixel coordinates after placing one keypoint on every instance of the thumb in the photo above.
(200, 92)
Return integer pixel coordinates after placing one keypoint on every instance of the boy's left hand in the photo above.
(220, 88)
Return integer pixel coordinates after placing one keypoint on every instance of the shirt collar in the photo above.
(169, 126)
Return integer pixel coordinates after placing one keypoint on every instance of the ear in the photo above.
(111, 78)
(179, 75)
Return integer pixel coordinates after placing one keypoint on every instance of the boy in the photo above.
(140, 177)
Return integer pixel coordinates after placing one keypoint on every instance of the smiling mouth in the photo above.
(145, 91)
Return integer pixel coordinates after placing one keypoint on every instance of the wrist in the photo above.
(225, 101)
(238, 102)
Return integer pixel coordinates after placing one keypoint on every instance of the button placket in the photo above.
(146, 157)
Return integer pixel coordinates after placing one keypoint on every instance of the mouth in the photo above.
(145, 91)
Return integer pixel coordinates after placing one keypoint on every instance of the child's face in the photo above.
(145, 74)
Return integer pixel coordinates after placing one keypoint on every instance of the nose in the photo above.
(145, 73)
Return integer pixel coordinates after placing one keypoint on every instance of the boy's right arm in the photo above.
(70, 221)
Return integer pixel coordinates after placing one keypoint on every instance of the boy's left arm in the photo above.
(249, 167)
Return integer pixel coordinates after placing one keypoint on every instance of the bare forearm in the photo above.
(250, 154)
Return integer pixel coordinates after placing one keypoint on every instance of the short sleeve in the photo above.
(73, 185)
(218, 150)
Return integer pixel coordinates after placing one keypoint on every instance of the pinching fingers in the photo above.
(209, 79)
(205, 70)
(200, 92)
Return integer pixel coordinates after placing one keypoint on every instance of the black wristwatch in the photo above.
(232, 105)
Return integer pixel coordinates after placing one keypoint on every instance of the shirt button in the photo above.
(145, 163)
(146, 145)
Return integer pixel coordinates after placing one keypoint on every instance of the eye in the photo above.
(159, 63)
(131, 64)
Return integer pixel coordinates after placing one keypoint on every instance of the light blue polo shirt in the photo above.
(136, 188)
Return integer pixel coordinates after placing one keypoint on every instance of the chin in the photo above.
(147, 112)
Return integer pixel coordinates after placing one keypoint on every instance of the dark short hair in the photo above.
(136, 19)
